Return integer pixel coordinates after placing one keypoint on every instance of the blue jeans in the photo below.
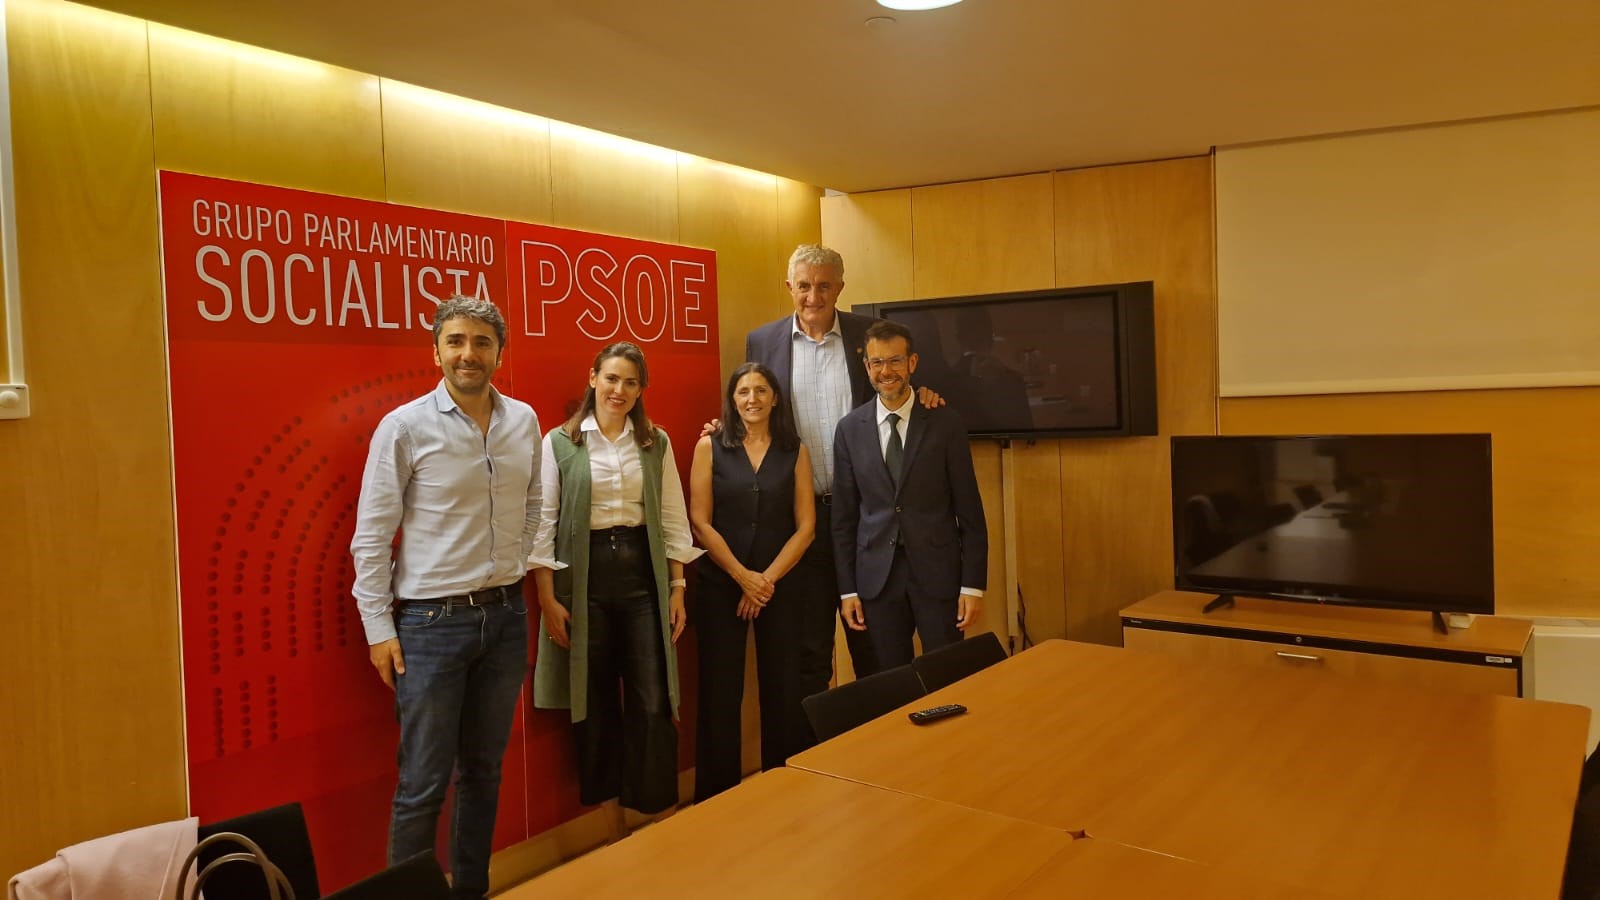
(464, 668)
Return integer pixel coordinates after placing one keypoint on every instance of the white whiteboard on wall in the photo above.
(1434, 258)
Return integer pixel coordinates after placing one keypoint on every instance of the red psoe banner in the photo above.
(253, 263)
(295, 321)
(582, 291)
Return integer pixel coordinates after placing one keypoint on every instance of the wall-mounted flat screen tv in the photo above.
(1066, 362)
(1403, 520)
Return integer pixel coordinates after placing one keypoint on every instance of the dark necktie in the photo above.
(895, 456)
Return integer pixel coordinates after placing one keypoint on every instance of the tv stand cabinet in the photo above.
(1491, 656)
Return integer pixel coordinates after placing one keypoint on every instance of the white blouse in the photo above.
(616, 495)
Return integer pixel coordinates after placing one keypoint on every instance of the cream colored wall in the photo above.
(1093, 525)
(93, 734)
(1440, 257)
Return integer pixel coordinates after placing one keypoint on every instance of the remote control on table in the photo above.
(924, 716)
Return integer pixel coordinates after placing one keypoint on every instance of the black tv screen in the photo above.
(1055, 363)
(1370, 520)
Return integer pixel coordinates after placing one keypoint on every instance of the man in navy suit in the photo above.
(909, 538)
(816, 354)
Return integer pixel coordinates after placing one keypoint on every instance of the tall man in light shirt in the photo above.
(908, 527)
(456, 472)
(817, 354)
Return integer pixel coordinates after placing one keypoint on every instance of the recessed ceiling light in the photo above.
(917, 4)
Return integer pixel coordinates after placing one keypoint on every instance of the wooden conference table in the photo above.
(1350, 787)
(790, 833)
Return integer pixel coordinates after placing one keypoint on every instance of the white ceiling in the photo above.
(807, 90)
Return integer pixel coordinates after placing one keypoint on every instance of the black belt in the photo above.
(485, 597)
(617, 533)
(825, 499)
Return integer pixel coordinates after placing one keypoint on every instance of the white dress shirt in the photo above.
(904, 412)
(616, 495)
(466, 504)
(819, 389)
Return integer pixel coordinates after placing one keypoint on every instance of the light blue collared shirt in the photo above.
(466, 504)
(819, 388)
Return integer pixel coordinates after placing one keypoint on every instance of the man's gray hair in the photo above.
(460, 307)
(816, 255)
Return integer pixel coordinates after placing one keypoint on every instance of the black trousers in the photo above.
(628, 744)
(821, 611)
(903, 607)
(722, 638)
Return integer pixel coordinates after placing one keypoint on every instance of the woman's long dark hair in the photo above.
(644, 433)
(780, 424)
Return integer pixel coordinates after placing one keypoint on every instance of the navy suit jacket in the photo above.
(772, 345)
(936, 514)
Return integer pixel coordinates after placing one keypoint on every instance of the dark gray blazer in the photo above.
(772, 345)
(937, 512)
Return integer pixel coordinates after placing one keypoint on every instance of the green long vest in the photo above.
(561, 677)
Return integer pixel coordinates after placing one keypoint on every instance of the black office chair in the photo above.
(835, 711)
(1308, 496)
(416, 878)
(948, 665)
(1582, 878)
(1208, 522)
(1277, 514)
(1591, 773)
(281, 833)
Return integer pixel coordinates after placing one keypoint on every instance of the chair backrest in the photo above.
(281, 834)
(1591, 772)
(1582, 878)
(953, 662)
(417, 878)
(1308, 495)
(835, 711)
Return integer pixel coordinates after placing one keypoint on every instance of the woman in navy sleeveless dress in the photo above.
(751, 508)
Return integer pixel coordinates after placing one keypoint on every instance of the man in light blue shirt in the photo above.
(456, 472)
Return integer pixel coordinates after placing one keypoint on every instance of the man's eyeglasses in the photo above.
(890, 362)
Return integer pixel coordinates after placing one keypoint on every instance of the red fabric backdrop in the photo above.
(295, 321)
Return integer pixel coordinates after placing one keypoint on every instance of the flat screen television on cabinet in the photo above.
(1402, 520)
(1065, 362)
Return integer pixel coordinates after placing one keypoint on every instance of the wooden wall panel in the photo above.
(1152, 222)
(1041, 571)
(612, 185)
(1546, 488)
(239, 112)
(986, 462)
(6, 325)
(982, 237)
(799, 222)
(91, 708)
(1116, 540)
(1144, 222)
(873, 233)
(445, 152)
(734, 212)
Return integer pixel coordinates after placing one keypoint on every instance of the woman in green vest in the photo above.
(608, 562)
